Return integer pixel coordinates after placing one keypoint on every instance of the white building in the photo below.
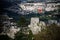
(34, 7)
(13, 30)
(35, 26)
(51, 0)
(51, 6)
(52, 21)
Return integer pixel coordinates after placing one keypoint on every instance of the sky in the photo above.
(24, 0)
(29, 0)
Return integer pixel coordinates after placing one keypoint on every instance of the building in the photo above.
(33, 7)
(51, 0)
(52, 21)
(33, 25)
(36, 26)
(51, 6)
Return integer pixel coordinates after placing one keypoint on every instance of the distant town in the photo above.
(29, 17)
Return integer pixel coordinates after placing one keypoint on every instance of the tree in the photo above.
(21, 36)
(30, 36)
(22, 21)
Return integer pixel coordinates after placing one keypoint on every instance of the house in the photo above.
(33, 7)
(51, 6)
(36, 26)
(52, 21)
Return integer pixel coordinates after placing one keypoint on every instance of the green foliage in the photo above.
(21, 36)
(30, 36)
(45, 17)
(51, 32)
(22, 21)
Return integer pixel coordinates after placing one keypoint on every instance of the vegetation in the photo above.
(5, 37)
(51, 32)
(46, 17)
(21, 36)
(30, 36)
(22, 21)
